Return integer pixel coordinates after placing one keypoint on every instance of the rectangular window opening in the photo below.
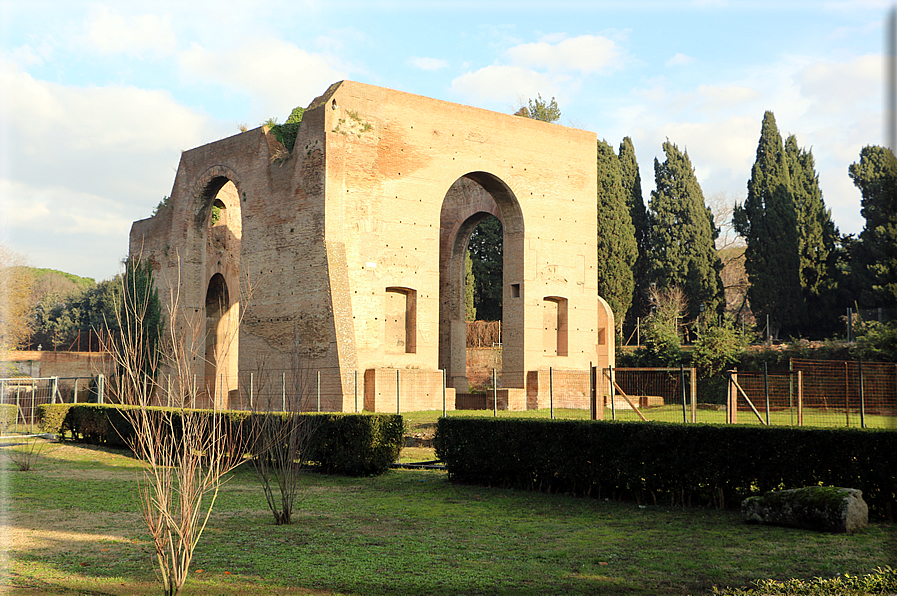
(401, 320)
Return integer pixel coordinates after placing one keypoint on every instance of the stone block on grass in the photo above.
(820, 508)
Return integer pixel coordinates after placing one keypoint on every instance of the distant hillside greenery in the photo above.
(63, 308)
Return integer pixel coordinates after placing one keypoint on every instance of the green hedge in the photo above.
(667, 463)
(352, 444)
(8, 416)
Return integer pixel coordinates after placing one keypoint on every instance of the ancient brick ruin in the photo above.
(355, 243)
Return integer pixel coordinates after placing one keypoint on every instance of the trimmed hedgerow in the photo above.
(351, 444)
(8, 415)
(671, 463)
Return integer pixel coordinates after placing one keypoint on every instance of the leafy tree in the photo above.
(768, 221)
(817, 239)
(617, 249)
(485, 250)
(663, 342)
(539, 109)
(719, 345)
(632, 189)
(682, 251)
(874, 258)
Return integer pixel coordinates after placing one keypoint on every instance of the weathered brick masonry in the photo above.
(355, 245)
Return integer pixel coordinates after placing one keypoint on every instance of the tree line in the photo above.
(662, 260)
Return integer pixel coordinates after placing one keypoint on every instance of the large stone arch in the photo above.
(468, 201)
(218, 222)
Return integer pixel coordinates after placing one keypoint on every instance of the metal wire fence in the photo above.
(813, 393)
(848, 393)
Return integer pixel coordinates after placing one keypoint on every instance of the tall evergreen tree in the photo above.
(470, 311)
(486, 254)
(682, 251)
(768, 221)
(632, 189)
(617, 249)
(874, 259)
(817, 241)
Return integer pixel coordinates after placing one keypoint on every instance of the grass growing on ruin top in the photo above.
(73, 526)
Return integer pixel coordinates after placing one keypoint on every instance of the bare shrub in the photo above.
(25, 451)
(280, 441)
(187, 453)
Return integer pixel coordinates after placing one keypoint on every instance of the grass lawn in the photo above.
(71, 526)
(812, 416)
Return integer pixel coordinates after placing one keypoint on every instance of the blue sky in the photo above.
(98, 99)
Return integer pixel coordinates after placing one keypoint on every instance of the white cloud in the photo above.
(551, 69)
(679, 59)
(587, 54)
(840, 86)
(502, 84)
(81, 163)
(428, 63)
(113, 33)
(279, 75)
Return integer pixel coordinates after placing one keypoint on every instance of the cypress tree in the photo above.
(632, 188)
(485, 249)
(874, 259)
(768, 221)
(617, 250)
(817, 239)
(682, 251)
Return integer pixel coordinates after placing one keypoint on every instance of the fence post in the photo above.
(847, 393)
(766, 390)
(862, 397)
(682, 384)
(494, 395)
(19, 407)
(101, 388)
(693, 376)
(443, 393)
(593, 393)
(800, 398)
(33, 391)
(613, 394)
(732, 402)
(551, 389)
(55, 390)
(75, 392)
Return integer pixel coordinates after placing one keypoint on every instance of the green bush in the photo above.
(352, 444)
(51, 417)
(672, 463)
(357, 444)
(8, 415)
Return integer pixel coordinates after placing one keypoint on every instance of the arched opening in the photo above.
(221, 341)
(469, 201)
(484, 283)
(219, 217)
